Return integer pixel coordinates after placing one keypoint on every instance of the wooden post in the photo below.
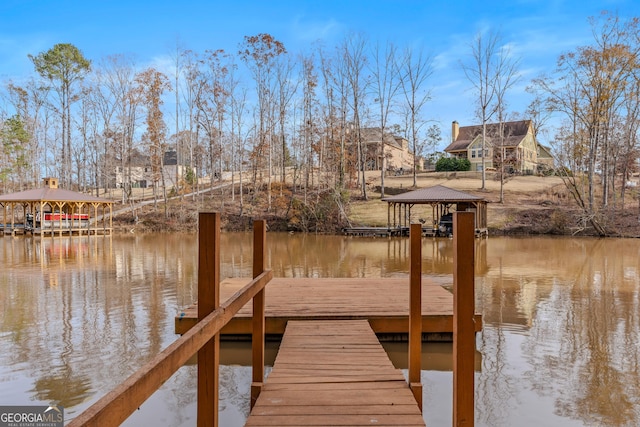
(208, 300)
(463, 319)
(257, 338)
(415, 312)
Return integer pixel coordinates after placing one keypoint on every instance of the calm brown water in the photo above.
(560, 345)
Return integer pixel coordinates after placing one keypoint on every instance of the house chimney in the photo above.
(455, 130)
(50, 182)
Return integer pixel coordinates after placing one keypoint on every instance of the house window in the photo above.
(473, 154)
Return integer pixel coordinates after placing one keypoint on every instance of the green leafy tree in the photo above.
(63, 65)
(13, 159)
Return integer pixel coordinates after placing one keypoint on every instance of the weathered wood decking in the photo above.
(203, 339)
(384, 302)
(334, 373)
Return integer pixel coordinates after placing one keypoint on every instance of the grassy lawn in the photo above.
(520, 192)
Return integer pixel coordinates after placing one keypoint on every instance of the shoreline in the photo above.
(532, 206)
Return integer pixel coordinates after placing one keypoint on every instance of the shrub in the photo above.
(452, 164)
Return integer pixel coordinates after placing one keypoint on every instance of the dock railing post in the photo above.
(463, 319)
(415, 312)
(258, 334)
(208, 300)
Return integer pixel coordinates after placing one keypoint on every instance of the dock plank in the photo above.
(334, 373)
(382, 301)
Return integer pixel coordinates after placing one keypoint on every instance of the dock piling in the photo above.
(208, 301)
(259, 323)
(415, 313)
(463, 319)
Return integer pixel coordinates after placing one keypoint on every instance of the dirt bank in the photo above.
(531, 205)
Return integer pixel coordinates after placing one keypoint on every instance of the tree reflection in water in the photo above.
(559, 346)
(591, 330)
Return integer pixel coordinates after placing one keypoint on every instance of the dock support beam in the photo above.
(463, 319)
(415, 312)
(257, 338)
(208, 300)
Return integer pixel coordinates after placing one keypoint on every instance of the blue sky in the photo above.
(537, 32)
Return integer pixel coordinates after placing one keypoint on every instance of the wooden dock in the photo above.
(384, 302)
(375, 231)
(330, 371)
(20, 229)
(334, 373)
(400, 231)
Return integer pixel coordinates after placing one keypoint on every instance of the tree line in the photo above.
(261, 113)
(265, 115)
(595, 89)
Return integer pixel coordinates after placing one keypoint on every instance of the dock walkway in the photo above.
(334, 373)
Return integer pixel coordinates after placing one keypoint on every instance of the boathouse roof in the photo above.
(51, 195)
(435, 194)
(441, 199)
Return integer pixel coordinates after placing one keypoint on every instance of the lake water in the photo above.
(560, 344)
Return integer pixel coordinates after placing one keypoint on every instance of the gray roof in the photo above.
(513, 132)
(47, 194)
(373, 136)
(438, 193)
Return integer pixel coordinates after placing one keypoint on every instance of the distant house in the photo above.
(173, 170)
(397, 154)
(545, 158)
(516, 143)
(139, 172)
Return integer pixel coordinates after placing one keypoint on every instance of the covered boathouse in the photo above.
(53, 210)
(443, 201)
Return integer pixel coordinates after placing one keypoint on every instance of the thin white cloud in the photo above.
(163, 63)
(307, 30)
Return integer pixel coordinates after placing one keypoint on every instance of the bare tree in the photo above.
(630, 138)
(414, 69)
(286, 88)
(212, 106)
(590, 88)
(385, 84)
(30, 101)
(353, 63)
(309, 127)
(151, 85)
(506, 77)
(116, 77)
(482, 72)
(260, 53)
(335, 88)
(194, 91)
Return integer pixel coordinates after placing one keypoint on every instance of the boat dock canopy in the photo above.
(50, 209)
(443, 200)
